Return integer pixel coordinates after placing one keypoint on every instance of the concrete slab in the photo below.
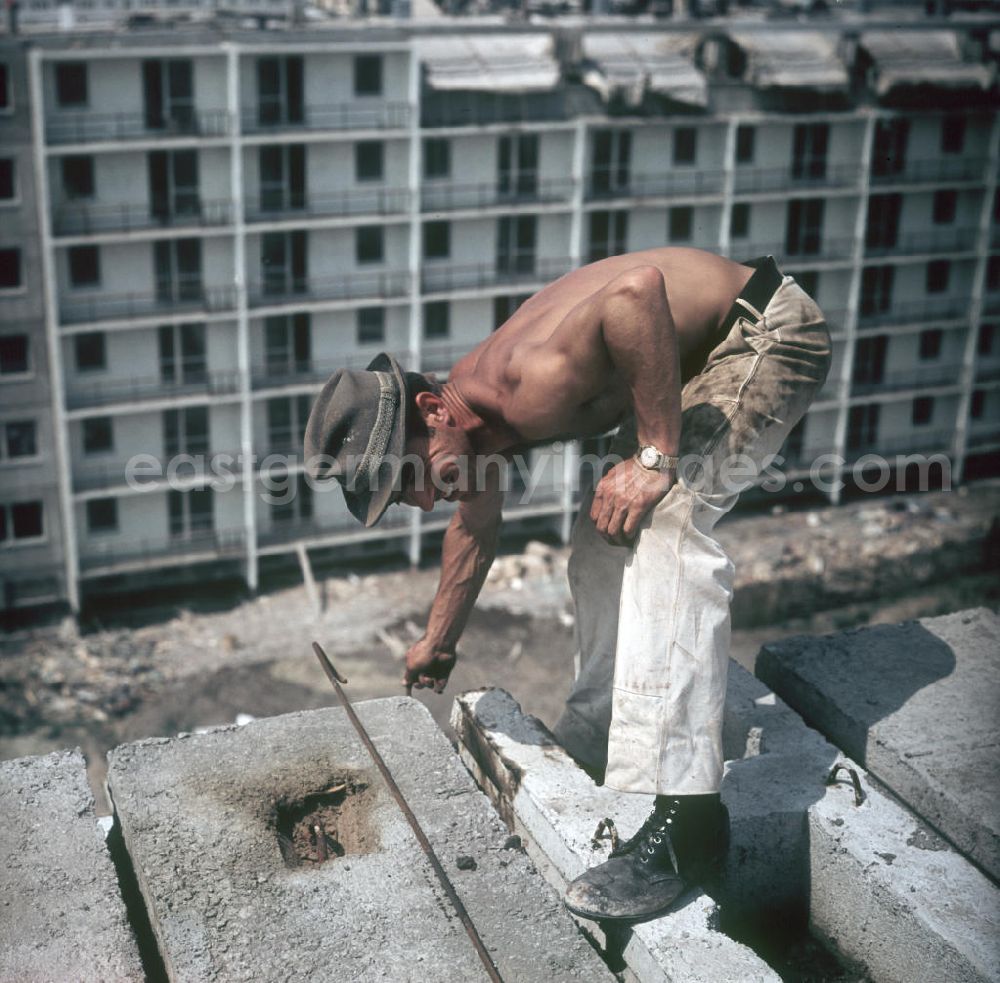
(61, 915)
(874, 881)
(918, 704)
(200, 816)
(555, 807)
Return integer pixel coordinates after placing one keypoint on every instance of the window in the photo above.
(21, 520)
(923, 411)
(177, 270)
(952, 134)
(185, 431)
(183, 354)
(876, 289)
(14, 354)
(930, 344)
(280, 91)
(282, 177)
(102, 515)
(371, 325)
(945, 206)
(794, 445)
(437, 240)
(5, 93)
(977, 404)
(889, 148)
(745, 139)
(516, 241)
(71, 84)
(90, 351)
(8, 190)
(368, 75)
(437, 320)
(810, 142)
(77, 176)
(739, 220)
(984, 343)
(612, 162)
(869, 360)
(173, 183)
(938, 272)
(190, 511)
(685, 145)
(98, 435)
(284, 262)
(437, 158)
(517, 165)
(862, 427)
(505, 306)
(883, 221)
(804, 226)
(10, 269)
(168, 95)
(19, 439)
(84, 266)
(369, 158)
(681, 221)
(369, 244)
(608, 234)
(993, 274)
(299, 504)
(288, 344)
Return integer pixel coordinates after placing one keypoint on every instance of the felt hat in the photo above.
(356, 434)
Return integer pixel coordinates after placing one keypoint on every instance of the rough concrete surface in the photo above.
(197, 814)
(61, 915)
(919, 705)
(557, 807)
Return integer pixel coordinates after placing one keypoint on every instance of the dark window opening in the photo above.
(882, 229)
(78, 176)
(746, 137)
(945, 207)
(876, 289)
(953, 134)
(13, 354)
(185, 431)
(870, 360)
(369, 244)
(516, 244)
(102, 515)
(284, 262)
(25, 520)
(84, 266)
(371, 325)
(517, 165)
(987, 335)
(20, 439)
(437, 320)
(923, 411)
(71, 84)
(280, 91)
(368, 75)
(7, 184)
(183, 354)
(608, 233)
(977, 405)
(681, 223)
(505, 306)
(685, 145)
(612, 161)
(739, 220)
(89, 350)
(804, 226)
(810, 142)
(938, 275)
(437, 240)
(437, 158)
(369, 160)
(288, 344)
(98, 435)
(282, 177)
(930, 344)
(10, 269)
(4, 87)
(889, 147)
(862, 427)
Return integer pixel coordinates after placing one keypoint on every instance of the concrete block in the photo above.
(61, 914)
(918, 705)
(556, 809)
(201, 816)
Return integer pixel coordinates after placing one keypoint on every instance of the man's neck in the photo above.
(488, 435)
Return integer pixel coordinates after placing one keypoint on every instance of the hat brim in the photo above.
(368, 508)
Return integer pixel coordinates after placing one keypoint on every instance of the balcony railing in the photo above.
(102, 127)
(196, 467)
(753, 180)
(373, 284)
(445, 196)
(943, 240)
(681, 181)
(916, 312)
(310, 371)
(293, 530)
(478, 275)
(920, 377)
(357, 201)
(487, 108)
(934, 169)
(105, 393)
(916, 441)
(81, 219)
(987, 371)
(338, 116)
(828, 248)
(182, 299)
(220, 544)
(982, 434)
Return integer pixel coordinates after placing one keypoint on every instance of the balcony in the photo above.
(935, 170)
(476, 276)
(84, 219)
(190, 468)
(827, 249)
(356, 201)
(119, 555)
(180, 298)
(920, 377)
(291, 531)
(916, 441)
(364, 285)
(278, 373)
(83, 394)
(761, 180)
(681, 181)
(444, 196)
(987, 371)
(109, 127)
(982, 433)
(942, 240)
(916, 312)
(336, 117)
(457, 108)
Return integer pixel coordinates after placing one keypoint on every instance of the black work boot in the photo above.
(681, 844)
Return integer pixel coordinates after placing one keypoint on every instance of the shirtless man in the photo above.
(704, 365)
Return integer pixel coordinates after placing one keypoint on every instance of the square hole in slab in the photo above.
(336, 821)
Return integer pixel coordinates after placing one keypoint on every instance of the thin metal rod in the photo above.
(456, 901)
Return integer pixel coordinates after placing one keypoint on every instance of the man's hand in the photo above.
(427, 667)
(624, 496)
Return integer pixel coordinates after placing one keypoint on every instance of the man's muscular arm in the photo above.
(466, 555)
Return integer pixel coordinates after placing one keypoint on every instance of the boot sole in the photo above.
(593, 916)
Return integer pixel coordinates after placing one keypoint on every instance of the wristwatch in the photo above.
(655, 460)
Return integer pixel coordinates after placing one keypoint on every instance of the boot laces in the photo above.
(653, 837)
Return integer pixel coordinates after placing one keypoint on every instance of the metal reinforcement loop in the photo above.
(456, 901)
(831, 779)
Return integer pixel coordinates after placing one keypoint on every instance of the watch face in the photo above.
(649, 457)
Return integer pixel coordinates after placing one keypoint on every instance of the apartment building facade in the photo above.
(203, 228)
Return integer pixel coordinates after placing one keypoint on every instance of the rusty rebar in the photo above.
(456, 901)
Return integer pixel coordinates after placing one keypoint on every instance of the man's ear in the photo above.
(432, 410)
